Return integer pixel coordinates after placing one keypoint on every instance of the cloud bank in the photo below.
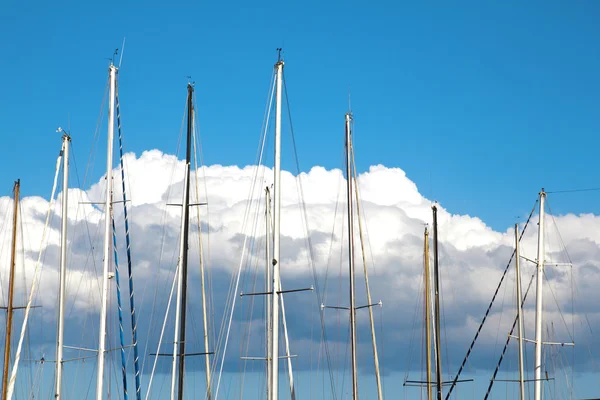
(472, 259)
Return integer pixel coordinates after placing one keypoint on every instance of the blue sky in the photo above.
(481, 104)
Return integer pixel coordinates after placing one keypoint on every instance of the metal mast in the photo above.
(427, 313)
(351, 255)
(107, 233)
(438, 358)
(178, 302)
(276, 233)
(519, 313)
(11, 286)
(539, 298)
(63, 269)
(268, 321)
(184, 238)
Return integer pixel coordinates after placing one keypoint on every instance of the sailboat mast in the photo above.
(427, 313)
(185, 220)
(107, 234)
(11, 287)
(539, 298)
(351, 255)
(268, 287)
(519, 313)
(178, 301)
(276, 233)
(63, 269)
(436, 283)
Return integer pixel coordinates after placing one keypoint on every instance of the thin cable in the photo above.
(232, 296)
(121, 338)
(309, 241)
(575, 190)
(368, 290)
(162, 332)
(487, 312)
(138, 394)
(13, 375)
(508, 340)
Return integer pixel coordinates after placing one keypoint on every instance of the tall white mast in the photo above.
(351, 257)
(268, 288)
(107, 228)
(63, 268)
(539, 299)
(519, 313)
(276, 233)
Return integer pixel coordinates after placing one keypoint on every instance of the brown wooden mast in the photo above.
(11, 287)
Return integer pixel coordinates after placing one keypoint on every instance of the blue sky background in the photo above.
(481, 104)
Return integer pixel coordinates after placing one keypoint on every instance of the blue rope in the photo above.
(123, 369)
(138, 393)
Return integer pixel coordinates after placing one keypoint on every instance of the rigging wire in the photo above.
(487, 312)
(120, 310)
(366, 275)
(245, 347)
(162, 331)
(160, 263)
(209, 320)
(508, 340)
(128, 244)
(574, 190)
(15, 367)
(90, 254)
(309, 241)
(570, 264)
(3, 232)
(225, 329)
(329, 260)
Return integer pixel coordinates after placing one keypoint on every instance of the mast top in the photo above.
(191, 83)
(279, 59)
(65, 133)
(112, 61)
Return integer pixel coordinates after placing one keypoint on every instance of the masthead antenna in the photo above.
(349, 101)
(279, 49)
(122, 51)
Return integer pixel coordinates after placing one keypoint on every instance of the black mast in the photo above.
(438, 358)
(184, 260)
